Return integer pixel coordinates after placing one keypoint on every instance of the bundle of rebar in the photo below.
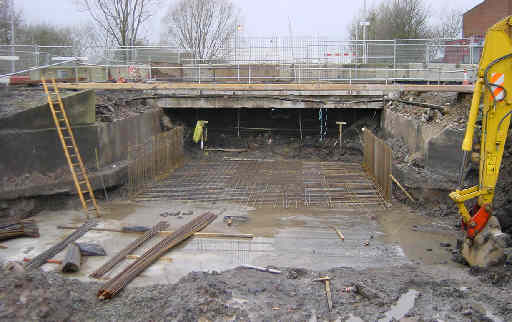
(42, 258)
(13, 228)
(116, 284)
(129, 249)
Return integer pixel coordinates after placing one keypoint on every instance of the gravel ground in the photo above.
(247, 295)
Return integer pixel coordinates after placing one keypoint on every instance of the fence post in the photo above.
(426, 53)
(471, 53)
(36, 54)
(394, 54)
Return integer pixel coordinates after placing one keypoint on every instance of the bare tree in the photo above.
(86, 40)
(395, 19)
(8, 16)
(449, 26)
(121, 20)
(202, 27)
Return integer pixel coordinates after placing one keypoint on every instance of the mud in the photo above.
(247, 295)
(406, 253)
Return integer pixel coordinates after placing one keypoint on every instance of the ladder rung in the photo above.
(82, 182)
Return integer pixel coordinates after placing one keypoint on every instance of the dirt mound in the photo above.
(247, 295)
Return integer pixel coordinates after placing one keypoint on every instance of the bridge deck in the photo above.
(311, 87)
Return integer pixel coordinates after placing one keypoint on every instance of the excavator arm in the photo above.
(494, 87)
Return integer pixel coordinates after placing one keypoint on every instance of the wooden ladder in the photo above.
(76, 165)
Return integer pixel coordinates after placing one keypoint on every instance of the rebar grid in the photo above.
(278, 184)
(155, 159)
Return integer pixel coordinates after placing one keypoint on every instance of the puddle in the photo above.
(404, 304)
(353, 318)
(399, 226)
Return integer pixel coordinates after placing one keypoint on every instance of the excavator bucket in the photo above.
(487, 247)
(479, 220)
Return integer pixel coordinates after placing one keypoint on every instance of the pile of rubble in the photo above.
(117, 105)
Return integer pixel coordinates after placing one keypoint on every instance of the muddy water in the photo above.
(419, 237)
(294, 238)
(404, 304)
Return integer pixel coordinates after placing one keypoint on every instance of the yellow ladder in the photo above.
(76, 165)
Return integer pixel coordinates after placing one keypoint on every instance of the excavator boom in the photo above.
(494, 87)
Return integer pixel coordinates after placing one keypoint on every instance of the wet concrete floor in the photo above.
(282, 238)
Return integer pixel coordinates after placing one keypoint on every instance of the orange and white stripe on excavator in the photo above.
(498, 79)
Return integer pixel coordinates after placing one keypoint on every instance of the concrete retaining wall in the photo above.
(440, 148)
(32, 162)
(80, 108)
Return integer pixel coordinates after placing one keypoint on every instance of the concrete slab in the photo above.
(271, 87)
(298, 238)
(267, 102)
(80, 108)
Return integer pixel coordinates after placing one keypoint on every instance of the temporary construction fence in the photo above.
(262, 59)
(155, 159)
(377, 161)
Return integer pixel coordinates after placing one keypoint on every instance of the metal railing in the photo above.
(377, 161)
(272, 59)
(312, 50)
(29, 56)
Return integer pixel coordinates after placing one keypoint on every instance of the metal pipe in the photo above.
(36, 68)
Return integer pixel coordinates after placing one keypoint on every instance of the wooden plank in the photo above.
(270, 87)
(340, 235)
(165, 259)
(402, 188)
(168, 232)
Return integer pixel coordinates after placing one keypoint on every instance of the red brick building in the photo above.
(477, 20)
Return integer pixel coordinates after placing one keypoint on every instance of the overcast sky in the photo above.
(260, 17)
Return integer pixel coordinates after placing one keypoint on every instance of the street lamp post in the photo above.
(365, 24)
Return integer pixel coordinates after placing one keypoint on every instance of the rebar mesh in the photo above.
(155, 159)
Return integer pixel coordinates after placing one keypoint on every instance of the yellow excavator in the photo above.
(484, 243)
